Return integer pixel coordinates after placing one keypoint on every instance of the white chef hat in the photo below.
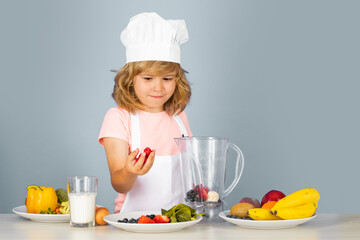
(149, 37)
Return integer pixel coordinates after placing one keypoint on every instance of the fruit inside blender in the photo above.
(203, 194)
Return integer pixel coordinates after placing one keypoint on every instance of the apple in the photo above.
(252, 201)
(273, 195)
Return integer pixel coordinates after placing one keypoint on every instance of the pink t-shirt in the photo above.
(157, 131)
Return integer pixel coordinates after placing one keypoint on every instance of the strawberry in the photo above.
(147, 151)
(204, 194)
(202, 191)
(161, 219)
(144, 220)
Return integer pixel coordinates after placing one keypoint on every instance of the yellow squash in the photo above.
(40, 199)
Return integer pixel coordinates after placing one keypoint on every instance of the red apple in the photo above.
(252, 201)
(273, 195)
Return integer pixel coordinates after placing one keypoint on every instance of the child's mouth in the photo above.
(156, 96)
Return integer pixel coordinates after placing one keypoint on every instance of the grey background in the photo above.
(280, 79)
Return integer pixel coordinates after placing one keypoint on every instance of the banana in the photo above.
(303, 196)
(261, 214)
(302, 211)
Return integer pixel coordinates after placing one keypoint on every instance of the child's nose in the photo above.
(158, 85)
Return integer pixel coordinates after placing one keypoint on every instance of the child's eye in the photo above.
(167, 79)
(147, 78)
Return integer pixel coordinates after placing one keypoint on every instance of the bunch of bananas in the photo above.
(300, 204)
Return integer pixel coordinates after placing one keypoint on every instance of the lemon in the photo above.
(33, 186)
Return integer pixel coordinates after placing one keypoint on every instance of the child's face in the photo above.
(154, 90)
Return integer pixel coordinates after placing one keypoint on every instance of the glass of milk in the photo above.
(82, 199)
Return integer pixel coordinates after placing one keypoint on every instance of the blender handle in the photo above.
(238, 173)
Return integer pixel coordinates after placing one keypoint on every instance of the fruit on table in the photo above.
(252, 201)
(152, 219)
(273, 195)
(131, 220)
(161, 219)
(300, 204)
(269, 205)
(144, 219)
(156, 218)
(262, 214)
(147, 152)
(100, 213)
(241, 209)
(178, 213)
(40, 199)
(302, 211)
(297, 198)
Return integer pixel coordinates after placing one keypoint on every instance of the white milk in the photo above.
(82, 207)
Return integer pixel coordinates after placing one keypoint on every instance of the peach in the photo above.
(100, 213)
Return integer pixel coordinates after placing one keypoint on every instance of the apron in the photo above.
(159, 188)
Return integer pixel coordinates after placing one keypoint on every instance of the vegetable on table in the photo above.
(41, 199)
(62, 195)
(64, 208)
(180, 213)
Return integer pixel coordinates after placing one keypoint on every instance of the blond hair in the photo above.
(124, 93)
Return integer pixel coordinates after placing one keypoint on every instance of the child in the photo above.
(151, 92)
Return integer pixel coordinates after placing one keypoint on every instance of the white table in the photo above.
(324, 226)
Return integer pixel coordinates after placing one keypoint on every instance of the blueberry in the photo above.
(190, 194)
(132, 220)
(151, 216)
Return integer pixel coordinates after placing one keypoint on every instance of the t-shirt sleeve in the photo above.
(184, 119)
(116, 124)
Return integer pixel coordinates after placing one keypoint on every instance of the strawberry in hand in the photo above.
(147, 151)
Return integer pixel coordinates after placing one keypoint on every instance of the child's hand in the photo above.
(139, 167)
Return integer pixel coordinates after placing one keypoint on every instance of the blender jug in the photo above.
(203, 171)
